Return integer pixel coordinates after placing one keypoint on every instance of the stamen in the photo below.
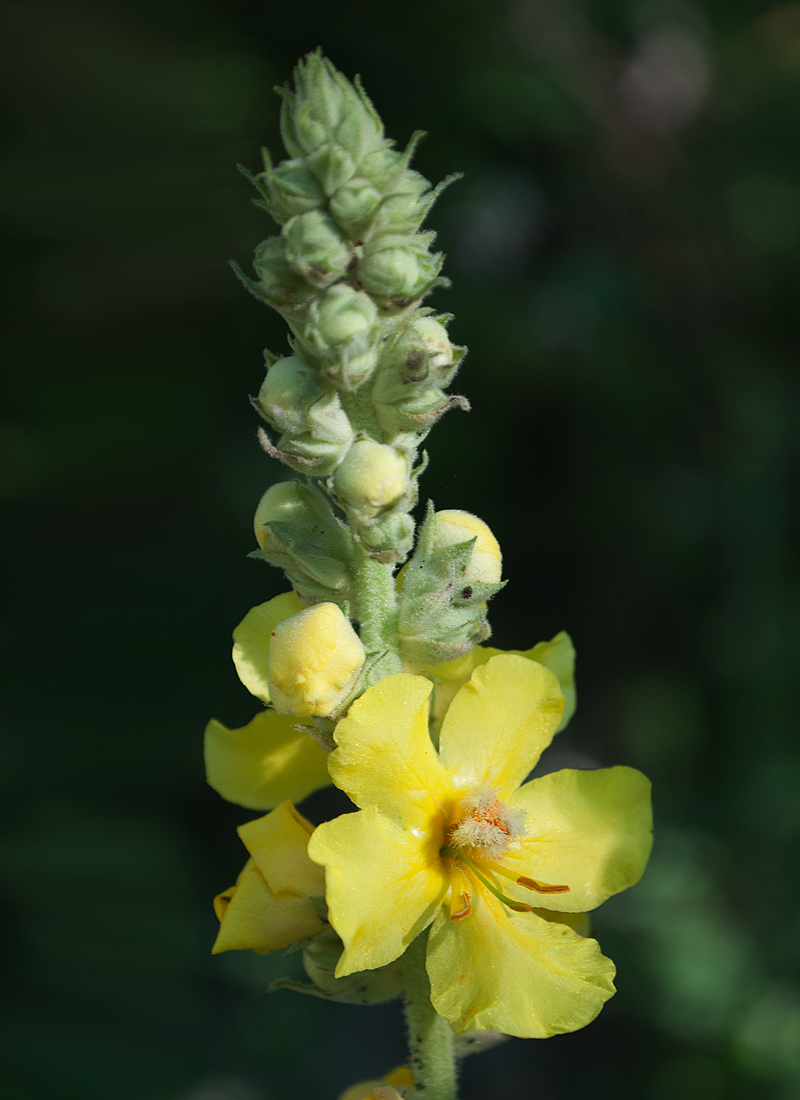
(529, 883)
(456, 882)
(510, 903)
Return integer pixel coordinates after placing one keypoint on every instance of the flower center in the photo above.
(480, 836)
(485, 826)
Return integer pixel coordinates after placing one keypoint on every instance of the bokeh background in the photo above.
(625, 256)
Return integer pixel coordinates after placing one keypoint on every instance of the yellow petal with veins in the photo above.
(500, 722)
(264, 762)
(385, 756)
(251, 641)
(515, 973)
(589, 830)
(383, 885)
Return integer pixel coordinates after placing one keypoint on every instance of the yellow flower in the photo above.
(558, 655)
(264, 762)
(381, 1089)
(452, 839)
(305, 661)
(269, 906)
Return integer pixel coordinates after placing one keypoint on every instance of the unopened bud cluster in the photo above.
(348, 271)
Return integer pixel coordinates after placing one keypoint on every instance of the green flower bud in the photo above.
(297, 532)
(291, 189)
(353, 206)
(342, 331)
(332, 166)
(390, 538)
(279, 283)
(320, 957)
(290, 388)
(371, 477)
(315, 248)
(397, 270)
(316, 429)
(325, 107)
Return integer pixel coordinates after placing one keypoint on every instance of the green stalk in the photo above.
(430, 1037)
(376, 611)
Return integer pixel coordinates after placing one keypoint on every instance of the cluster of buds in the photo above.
(348, 271)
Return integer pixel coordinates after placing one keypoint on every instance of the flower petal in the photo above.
(558, 655)
(385, 756)
(251, 917)
(278, 844)
(251, 641)
(264, 762)
(383, 885)
(515, 973)
(500, 722)
(589, 830)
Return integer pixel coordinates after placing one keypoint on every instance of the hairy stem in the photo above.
(376, 612)
(430, 1037)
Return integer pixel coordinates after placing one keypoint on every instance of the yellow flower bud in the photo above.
(372, 476)
(314, 660)
(453, 526)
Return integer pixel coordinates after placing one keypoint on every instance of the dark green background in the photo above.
(625, 252)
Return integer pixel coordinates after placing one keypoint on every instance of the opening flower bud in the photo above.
(453, 526)
(372, 476)
(315, 658)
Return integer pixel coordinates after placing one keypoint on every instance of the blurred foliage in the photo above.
(625, 250)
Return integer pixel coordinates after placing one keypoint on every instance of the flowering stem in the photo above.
(430, 1036)
(376, 611)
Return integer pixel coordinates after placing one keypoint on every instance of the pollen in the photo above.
(485, 826)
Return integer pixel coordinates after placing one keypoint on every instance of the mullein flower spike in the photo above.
(456, 883)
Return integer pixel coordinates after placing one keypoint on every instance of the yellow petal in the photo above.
(364, 1090)
(589, 830)
(278, 844)
(264, 762)
(251, 641)
(383, 885)
(255, 919)
(501, 971)
(385, 756)
(500, 722)
(558, 655)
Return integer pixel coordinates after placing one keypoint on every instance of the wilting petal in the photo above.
(264, 762)
(515, 973)
(383, 885)
(251, 641)
(589, 830)
(278, 844)
(385, 756)
(251, 917)
(500, 722)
